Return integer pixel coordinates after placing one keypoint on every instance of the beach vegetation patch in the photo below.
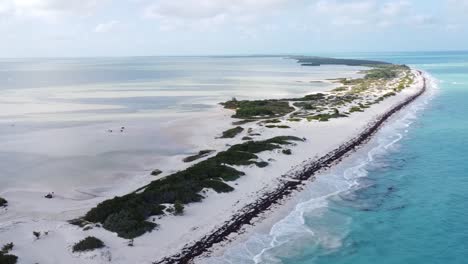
(178, 208)
(126, 215)
(272, 121)
(3, 202)
(280, 126)
(5, 257)
(262, 164)
(355, 109)
(243, 122)
(201, 154)
(231, 133)
(156, 172)
(287, 151)
(259, 108)
(88, 244)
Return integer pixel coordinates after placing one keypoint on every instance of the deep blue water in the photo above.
(401, 199)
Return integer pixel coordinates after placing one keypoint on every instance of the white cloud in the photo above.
(48, 9)
(368, 13)
(106, 27)
(208, 14)
(200, 9)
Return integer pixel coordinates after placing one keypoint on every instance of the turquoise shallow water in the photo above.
(401, 199)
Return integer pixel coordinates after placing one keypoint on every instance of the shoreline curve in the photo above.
(264, 203)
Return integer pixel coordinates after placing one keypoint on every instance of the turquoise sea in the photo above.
(401, 199)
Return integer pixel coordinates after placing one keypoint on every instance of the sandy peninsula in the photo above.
(252, 157)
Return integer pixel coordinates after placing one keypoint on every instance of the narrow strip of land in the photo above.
(264, 203)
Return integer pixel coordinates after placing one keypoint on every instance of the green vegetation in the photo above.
(247, 138)
(158, 209)
(243, 122)
(156, 172)
(280, 126)
(340, 89)
(310, 97)
(126, 215)
(178, 208)
(258, 108)
(6, 258)
(317, 61)
(272, 121)
(385, 72)
(7, 248)
(326, 117)
(231, 133)
(3, 202)
(286, 151)
(201, 154)
(87, 244)
(355, 109)
(294, 119)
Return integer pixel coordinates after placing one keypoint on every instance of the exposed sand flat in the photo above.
(27, 213)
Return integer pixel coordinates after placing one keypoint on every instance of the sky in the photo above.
(76, 28)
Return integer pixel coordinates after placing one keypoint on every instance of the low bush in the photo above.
(201, 154)
(156, 172)
(286, 151)
(6, 258)
(231, 133)
(263, 108)
(178, 208)
(88, 244)
(3, 202)
(355, 109)
(126, 215)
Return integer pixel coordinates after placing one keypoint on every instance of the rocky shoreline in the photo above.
(248, 213)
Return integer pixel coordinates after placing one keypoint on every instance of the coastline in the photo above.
(202, 218)
(250, 214)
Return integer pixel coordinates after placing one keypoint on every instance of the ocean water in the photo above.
(55, 114)
(401, 199)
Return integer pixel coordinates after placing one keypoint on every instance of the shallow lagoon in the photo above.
(56, 113)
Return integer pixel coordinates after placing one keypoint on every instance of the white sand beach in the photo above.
(28, 211)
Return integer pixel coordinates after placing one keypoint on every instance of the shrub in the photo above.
(8, 259)
(178, 208)
(128, 223)
(88, 244)
(218, 186)
(355, 109)
(156, 172)
(272, 121)
(158, 209)
(201, 154)
(7, 248)
(231, 133)
(37, 234)
(126, 215)
(3, 202)
(262, 164)
(249, 109)
(287, 151)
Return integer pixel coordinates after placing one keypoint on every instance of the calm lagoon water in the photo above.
(55, 114)
(401, 199)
